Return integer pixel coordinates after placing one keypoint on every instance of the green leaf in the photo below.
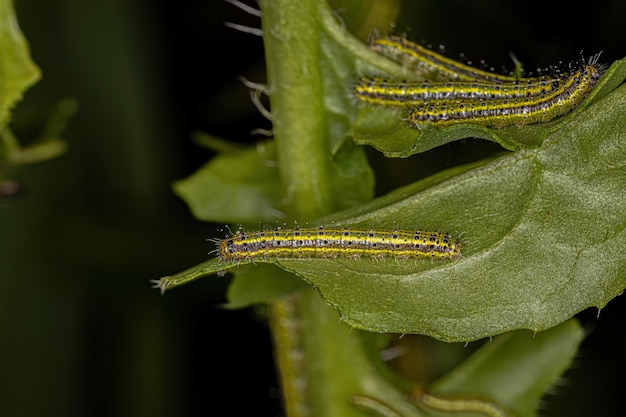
(353, 179)
(241, 186)
(517, 368)
(17, 70)
(542, 231)
(49, 144)
(260, 284)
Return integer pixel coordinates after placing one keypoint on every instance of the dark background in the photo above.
(82, 331)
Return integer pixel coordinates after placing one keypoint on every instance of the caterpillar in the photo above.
(434, 66)
(337, 242)
(459, 404)
(375, 406)
(386, 92)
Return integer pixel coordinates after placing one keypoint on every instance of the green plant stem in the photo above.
(318, 357)
(324, 363)
(311, 345)
(292, 43)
